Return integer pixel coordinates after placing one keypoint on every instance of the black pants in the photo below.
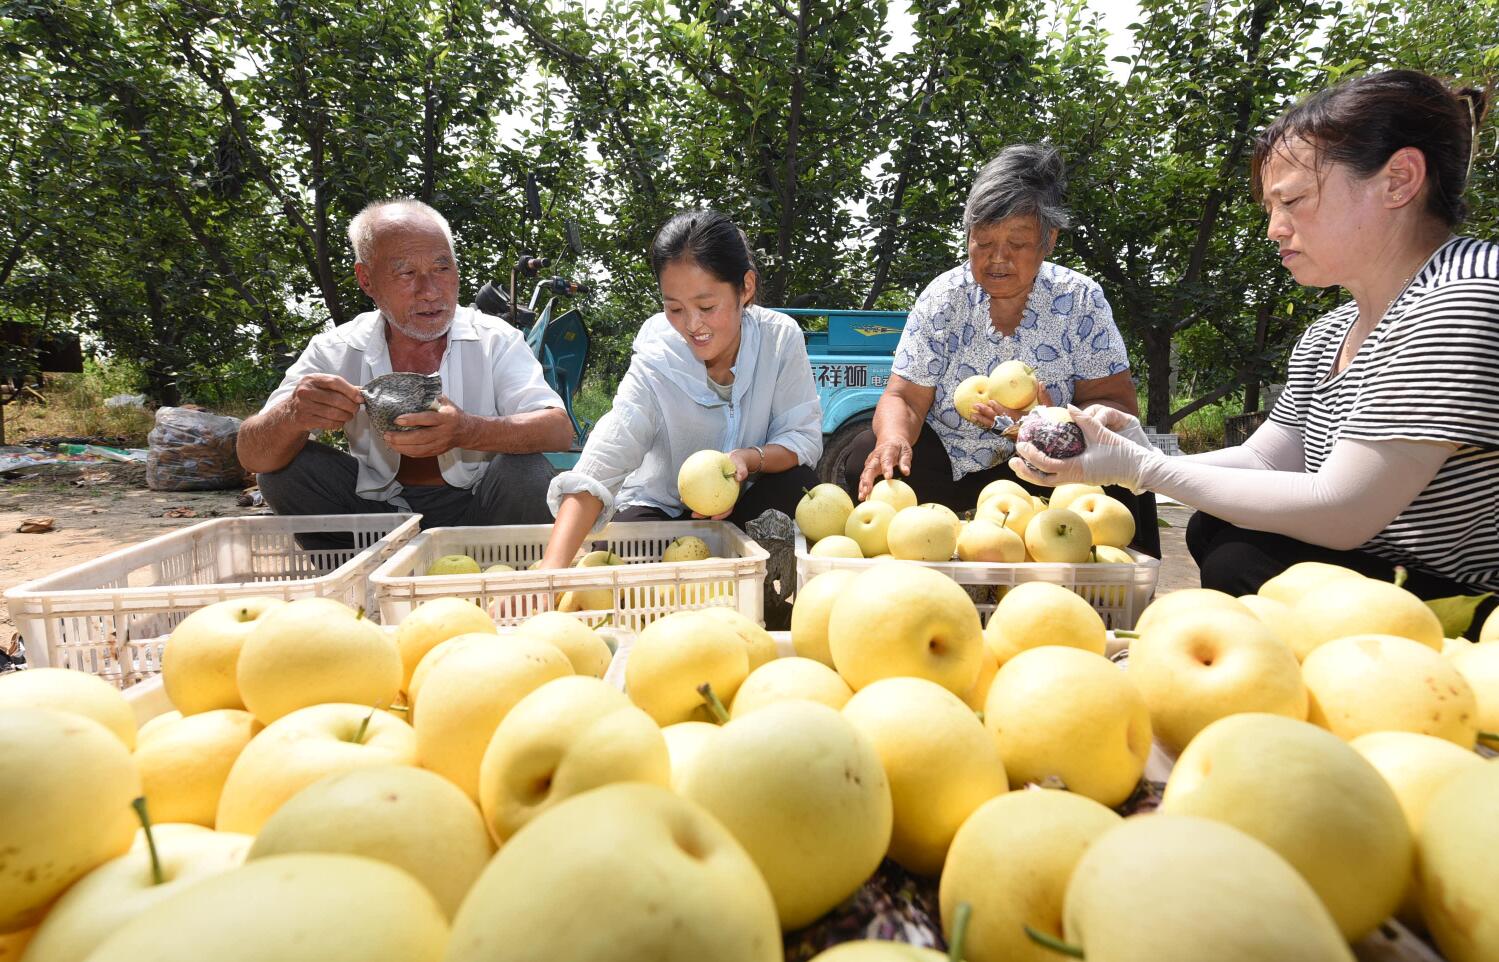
(780, 491)
(321, 480)
(931, 478)
(1238, 561)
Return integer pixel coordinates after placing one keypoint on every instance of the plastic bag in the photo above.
(193, 451)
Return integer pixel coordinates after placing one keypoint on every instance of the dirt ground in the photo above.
(100, 511)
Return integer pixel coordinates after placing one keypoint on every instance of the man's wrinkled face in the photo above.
(412, 276)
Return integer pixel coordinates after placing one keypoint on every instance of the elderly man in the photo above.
(475, 460)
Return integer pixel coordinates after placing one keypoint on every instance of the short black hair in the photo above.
(708, 239)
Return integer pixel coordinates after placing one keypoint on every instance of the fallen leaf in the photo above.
(36, 525)
(179, 513)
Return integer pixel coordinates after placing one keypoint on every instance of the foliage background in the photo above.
(179, 173)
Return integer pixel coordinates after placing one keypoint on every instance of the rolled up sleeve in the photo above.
(314, 359)
(616, 446)
(520, 386)
(796, 417)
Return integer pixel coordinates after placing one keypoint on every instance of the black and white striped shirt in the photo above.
(1428, 372)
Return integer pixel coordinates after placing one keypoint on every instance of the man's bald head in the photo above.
(385, 217)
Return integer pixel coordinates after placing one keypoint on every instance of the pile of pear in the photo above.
(331, 789)
(1078, 524)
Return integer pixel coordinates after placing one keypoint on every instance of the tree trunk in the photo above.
(1261, 335)
(780, 279)
(1158, 379)
(161, 383)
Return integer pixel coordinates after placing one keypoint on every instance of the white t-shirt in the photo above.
(1428, 372)
(486, 370)
(1066, 333)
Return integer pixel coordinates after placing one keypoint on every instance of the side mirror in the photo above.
(533, 198)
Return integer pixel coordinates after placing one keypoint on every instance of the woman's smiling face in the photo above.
(705, 310)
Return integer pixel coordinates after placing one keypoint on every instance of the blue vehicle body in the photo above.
(850, 365)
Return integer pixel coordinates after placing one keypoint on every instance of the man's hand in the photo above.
(435, 432)
(323, 402)
(889, 455)
(985, 413)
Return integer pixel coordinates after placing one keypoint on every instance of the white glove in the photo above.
(1108, 458)
(1125, 425)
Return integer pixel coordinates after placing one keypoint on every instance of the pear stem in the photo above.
(364, 726)
(1401, 575)
(959, 932)
(1122, 633)
(714, 705)
(1488, 737)
(139, 804)
(1055, 944)
(359, 614)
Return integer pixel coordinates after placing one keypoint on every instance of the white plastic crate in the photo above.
(641, 590)
(1118, 592)
(110, 617)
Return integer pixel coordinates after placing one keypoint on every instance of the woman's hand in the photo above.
(747, 461)
(1108, 458)
(889, 455)
(1125, 425)
(985, 413)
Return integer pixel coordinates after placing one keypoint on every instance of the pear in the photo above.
(77, 692)
(588, 653)
(1174, 888)
(790, 678)
(823, 511)
(1187, 599)
(905, 619)
(1302, 579)
(184, 767)
(1340, 607)
(433, 622)
(811, 611)
(1456, 871)
(1040, 613)
(1369, 683)
(199, 662)
(677, 654)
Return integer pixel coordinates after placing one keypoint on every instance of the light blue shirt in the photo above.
(1066, 333)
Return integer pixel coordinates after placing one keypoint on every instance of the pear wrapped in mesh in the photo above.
(1050, 429)
(389, 396)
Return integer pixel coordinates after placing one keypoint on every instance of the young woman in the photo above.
(1384, 447)
(713, 370)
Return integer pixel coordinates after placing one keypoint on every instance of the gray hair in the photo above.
(1023, 179)
(363, 228)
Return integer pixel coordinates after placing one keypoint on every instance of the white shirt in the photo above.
(486, 370)
(666, 409)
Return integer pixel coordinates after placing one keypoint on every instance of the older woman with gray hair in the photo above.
(1007, 302)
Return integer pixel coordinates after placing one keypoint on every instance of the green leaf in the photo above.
(1456, 613)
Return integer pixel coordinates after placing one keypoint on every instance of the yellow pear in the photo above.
(946, 512)
(1371, 683)
(453, 564)
(1069, 718)
(466, 696)
(1456, 871)
(13, 944)
(1187, 599)
(1108, 519)
(592, 599)
(836, 546)
(1002, 485)
(1203, 665)
(433, 622)
(791, 678)
(803, 791)
(1416, 767)
(1173, 888)
(1277, 616)
(922, 533)
(686, 548)
(434, 658)
(113, 894)
(65, 806)
(312, 652)
(289, 908)
(758, 642)
(683, 742)
(973, 391)
(184, 767)
(1302, 579)
(76, 692)
(941, 763)
(867, 526)
(413, 819)
(1479, 666)
(1063, 495)
(1010, 510)
(1038, 613)
(1490, 630)
(628, 873)
(674, 656)
(1311, 798)
(1058, 535)
(875, 950)
(904, 619)
(567, 737)
(298, 749)
(822, 511)
(1011, 861)
(199, 663)
(812, 609)
(708, 483)
(1362, 606)
(983, 540)
(585, 650)
(155, 724)
(894, 492)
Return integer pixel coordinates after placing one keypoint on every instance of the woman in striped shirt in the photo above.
(1383, 449)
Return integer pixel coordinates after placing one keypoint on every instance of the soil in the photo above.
(95, 510)
(99, 509)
